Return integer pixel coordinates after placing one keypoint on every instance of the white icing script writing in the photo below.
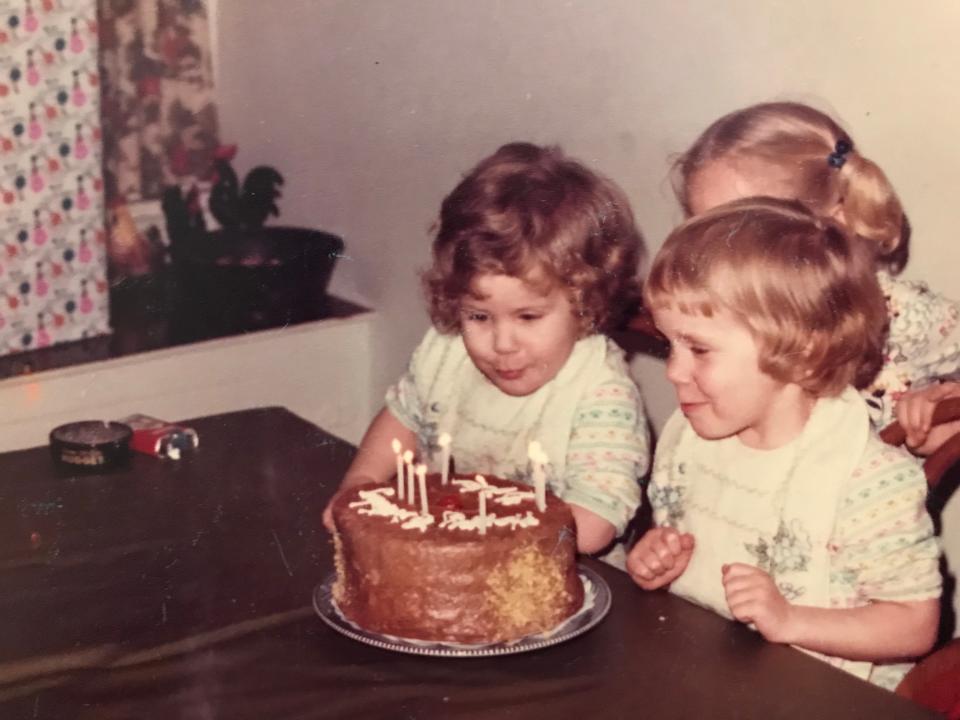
(379, 503)
(376, 504)
(454, 520)
(500, 495)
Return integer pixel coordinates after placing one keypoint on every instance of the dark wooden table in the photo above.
(182, 590)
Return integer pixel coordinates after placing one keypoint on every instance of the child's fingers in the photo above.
(745, 596)
(328, 517)
(743, 607)
(648, 566)
(638, 569)
(915, 410)
(742, 590)
(937, 436)
(644, 562)
(940, 391)
(922, 416)
(644, 576)
(659, 557)
(742, 610)
(950, 389)
(670, 540)
(924, 413)
(738, 570)
(665, 554)
(659, 554)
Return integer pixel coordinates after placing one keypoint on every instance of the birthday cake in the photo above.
(478, 562)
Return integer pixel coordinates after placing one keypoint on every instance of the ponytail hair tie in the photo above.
(838, 157)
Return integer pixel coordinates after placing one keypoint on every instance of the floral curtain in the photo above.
(52, 264)
(159, 118)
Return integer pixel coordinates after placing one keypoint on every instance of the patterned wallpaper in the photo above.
(53, 285)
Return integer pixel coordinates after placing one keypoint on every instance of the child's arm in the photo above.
(608, 452)
(375, 460)
(878, 631)
(593, 532)
(915, 414)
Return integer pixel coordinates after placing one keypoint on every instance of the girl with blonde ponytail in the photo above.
(793, 151)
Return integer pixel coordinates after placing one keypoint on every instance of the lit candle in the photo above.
(398, 450)
(411, 490)
(538, 459)
(422, 481)
(483, 504)
(444, 442)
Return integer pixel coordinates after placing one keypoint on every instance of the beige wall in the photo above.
(373, 108)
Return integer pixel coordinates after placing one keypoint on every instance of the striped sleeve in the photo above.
(609, 452)
(884, 537)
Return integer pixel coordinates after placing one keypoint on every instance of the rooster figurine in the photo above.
(248, 206)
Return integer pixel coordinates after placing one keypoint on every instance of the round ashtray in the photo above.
(93, 445)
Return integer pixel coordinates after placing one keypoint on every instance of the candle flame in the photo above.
(397, 447)
(408, 456)
(536, 454)
(444, 440)
(533, 450)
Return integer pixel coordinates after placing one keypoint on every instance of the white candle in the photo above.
(538, 459)
(482, 497)
(411, 490)
(398, 450)
(444, 442)
(422, 481)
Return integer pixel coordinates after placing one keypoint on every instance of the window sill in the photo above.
(147, 315)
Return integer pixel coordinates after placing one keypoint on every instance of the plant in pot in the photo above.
(246, 274)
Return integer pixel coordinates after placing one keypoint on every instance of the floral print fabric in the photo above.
(923, 346)
(160, 122)
(52, 267)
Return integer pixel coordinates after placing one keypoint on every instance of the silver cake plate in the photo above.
(596, 605)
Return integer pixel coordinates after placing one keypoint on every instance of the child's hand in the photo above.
(753, 597)
(348, 482)
(328, 515)
(659, 557)
(915, 415)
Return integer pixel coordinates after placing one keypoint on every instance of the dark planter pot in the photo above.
(240, 280)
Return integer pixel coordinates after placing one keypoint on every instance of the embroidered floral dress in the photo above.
(923, 345)
(835, 517)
